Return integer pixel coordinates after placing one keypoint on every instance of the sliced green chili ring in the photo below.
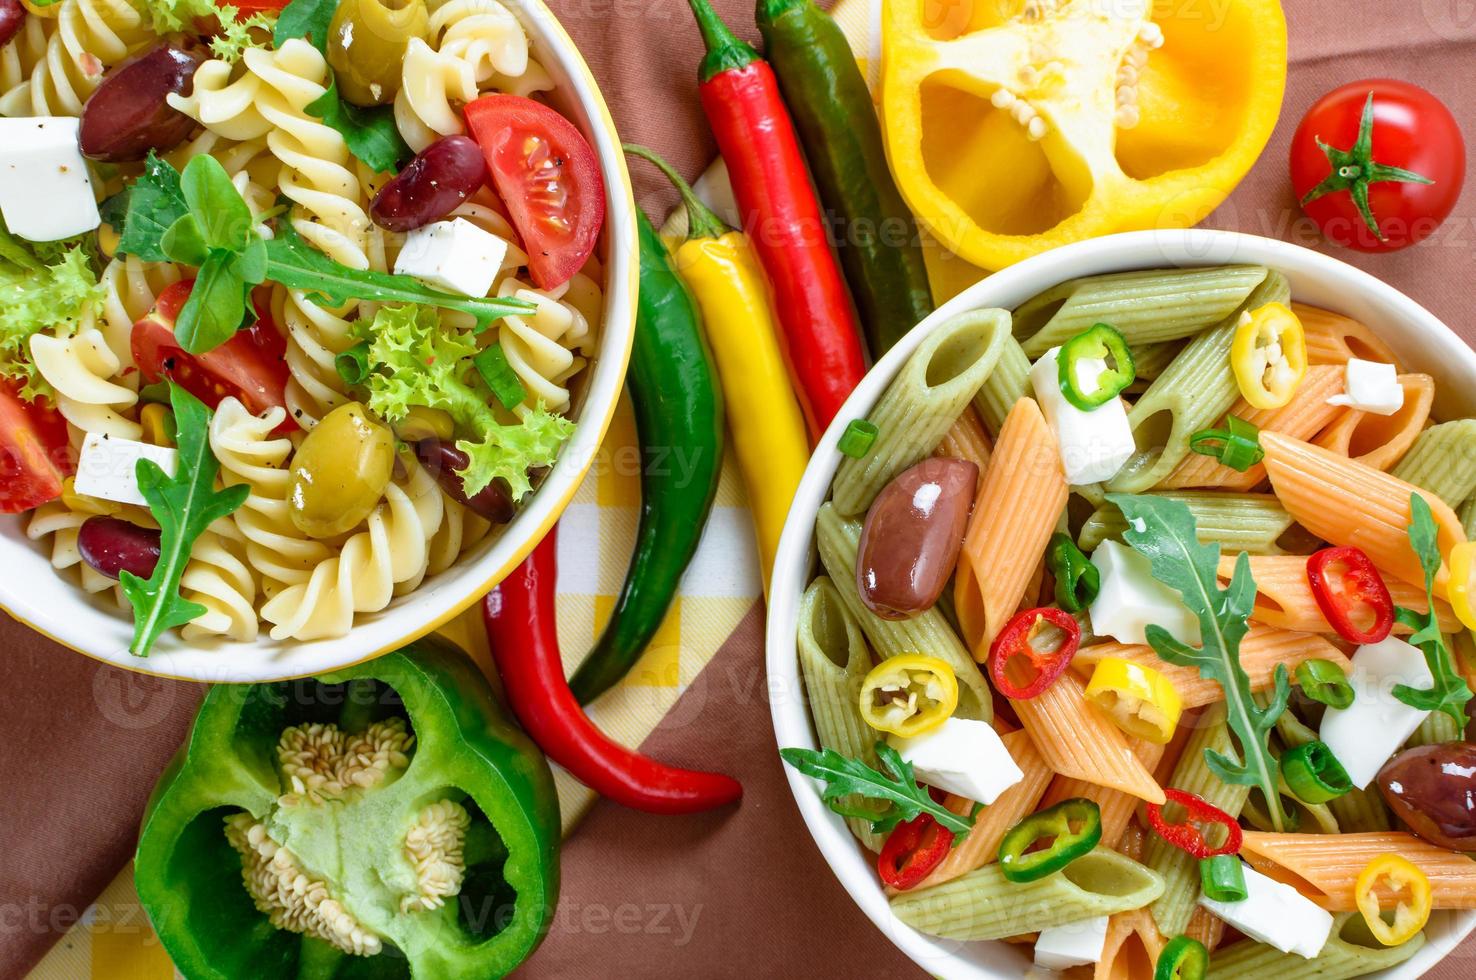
(1184, 958)
(856, 441)
(1100, 342)
(1072, 828)
(1237, 446)
(1222, 878)
(502, 380)
(1077, 579)
(353, 364)
(1314, 774)
(1324, 682)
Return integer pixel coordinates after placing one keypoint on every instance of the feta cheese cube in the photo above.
(1277, 915)
(454, 255)
(1131, 598)
(1370, 386)
(1366, 733)
(45, 187)
(961, 756)
(1073, 944)
(107, 467)
(1093, 445)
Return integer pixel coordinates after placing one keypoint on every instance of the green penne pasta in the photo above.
(1437, 728)
(1007, 383)
(1192, 394)
(1361, 811)
(928, 632)
(1151, 360)
(1340, 959)
(1250, 522)
(1467, 513)
(983, 904)
(1303, 818)
(1145, 307)
(926, 398)
(1443, 461)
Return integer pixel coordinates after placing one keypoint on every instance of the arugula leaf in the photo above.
(1449, 693)
(150, 205)
(1163, 530)
(184, 505)
(307, 19)
(371, 134)
(844, 776)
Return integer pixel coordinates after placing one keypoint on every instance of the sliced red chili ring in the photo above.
(1345, 583)
(912, 850)
(1187, 834)
(1014, 642)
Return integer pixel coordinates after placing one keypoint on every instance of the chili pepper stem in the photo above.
(725, 50)
(702, 222)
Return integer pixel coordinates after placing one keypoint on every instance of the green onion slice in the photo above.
(857, 440)
(1324, 682)
(353, 364)
(1222, 878)
(1077, 580)
(1101, 343)
(506, 386)
(1237, 446)
(1314, 774)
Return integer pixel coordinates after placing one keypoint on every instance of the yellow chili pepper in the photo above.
(1139, 700)
(1460, 588)
(767, 428)
(909, 694)
(86, 505)
(1269, 355)
(1400, 875)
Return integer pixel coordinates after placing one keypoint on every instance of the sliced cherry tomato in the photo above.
(246, 8)
(912, 851)
(1346, 585)
(547, 176)
(251, 366)
(1378, 164)
(1014, 641)
(35, 453)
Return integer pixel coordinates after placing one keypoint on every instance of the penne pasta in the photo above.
(1443, 461)
(1132, 947)
(1284, 596)
(1151, 360)
(967, 439)
(1381, 441)
(1205, 926)
(1325, 867)
(1333, 338)
(1340, 959)
(1116, 806)
(1437, 728)
(1007, 383)
(1252, 522)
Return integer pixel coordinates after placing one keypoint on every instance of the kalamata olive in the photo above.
(112, 545)
(442, 460)
(431, 186)
(340, 471)
(12, 19)
(912, 535)
(366, 46)
(129, 114)
(1433, 790)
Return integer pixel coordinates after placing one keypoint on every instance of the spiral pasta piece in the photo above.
(541, 347)
(219, 577)
(86, 38)
(130, 287)
(60, 522)
(315, 336)
(81, 369)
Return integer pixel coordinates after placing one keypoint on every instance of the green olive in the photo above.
(366, 46)
(425, 423)
(340, 471)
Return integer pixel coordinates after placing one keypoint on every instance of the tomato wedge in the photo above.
(35, 453)
(547, 176)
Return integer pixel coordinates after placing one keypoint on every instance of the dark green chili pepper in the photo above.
(1237, 446)
(1314, 774)
(1182, 959)
(1100, 342)
(1077, 579)
(679, 420)
(1222, 878)
(837, 125)
(1073, 826)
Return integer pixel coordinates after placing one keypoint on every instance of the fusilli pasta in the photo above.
(86, 38)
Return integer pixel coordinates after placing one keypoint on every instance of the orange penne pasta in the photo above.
(1381, 441)
(1333, 338)
(1347, 503)
(1205, 926)
(968, 439)
(1260, 651)
(1307, 414)
(1284, 597)
(1132, 947)
(1116, 806)
(1324, 867)
(1021, 495)
(1079, 742)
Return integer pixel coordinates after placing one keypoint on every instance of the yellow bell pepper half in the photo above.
(1462, 585)
(1139, 700)
(1399, 876)
(909, 694)
(1017, 126)
(1269, 355)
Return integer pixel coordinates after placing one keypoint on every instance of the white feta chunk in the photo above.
(454, 255)
(45, 187)
(1366, 733)
(961, 756)
(107, 467)
(1095, 444)
(1370, 386)
(1277, 915)
(1131, 598)
(1073, 944)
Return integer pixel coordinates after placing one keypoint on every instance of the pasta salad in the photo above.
(295, 298)
(1142, 634)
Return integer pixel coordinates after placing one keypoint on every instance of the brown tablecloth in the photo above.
(740, 894)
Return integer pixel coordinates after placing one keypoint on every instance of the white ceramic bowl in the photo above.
(1422, 342)
(34, 593)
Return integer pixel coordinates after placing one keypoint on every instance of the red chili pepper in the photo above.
(754, 133)
(1187, 835)
(1014, 641)
(912, 850)
(1344, 581)
(522, 633)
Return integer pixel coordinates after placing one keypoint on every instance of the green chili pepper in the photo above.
(315, 787)
(1237, 446)
(1314, 774)
(1222, 878)
(679, 420)
(1182, 959)
(1077, 579)
(492, 364)
(1103, 343)
(1324, 682)
(1073, 826)
(858, 438)
(838, 128)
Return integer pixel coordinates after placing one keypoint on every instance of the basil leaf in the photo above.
(224, 217)
(184, 241)
(371, 134)
(154, 202)
(216, 307)
(305, 18)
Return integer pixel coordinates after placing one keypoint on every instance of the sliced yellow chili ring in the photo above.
(1409, 917)
(1139, 700)
(1269, 355)
(909, 694)
(1461, 588)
